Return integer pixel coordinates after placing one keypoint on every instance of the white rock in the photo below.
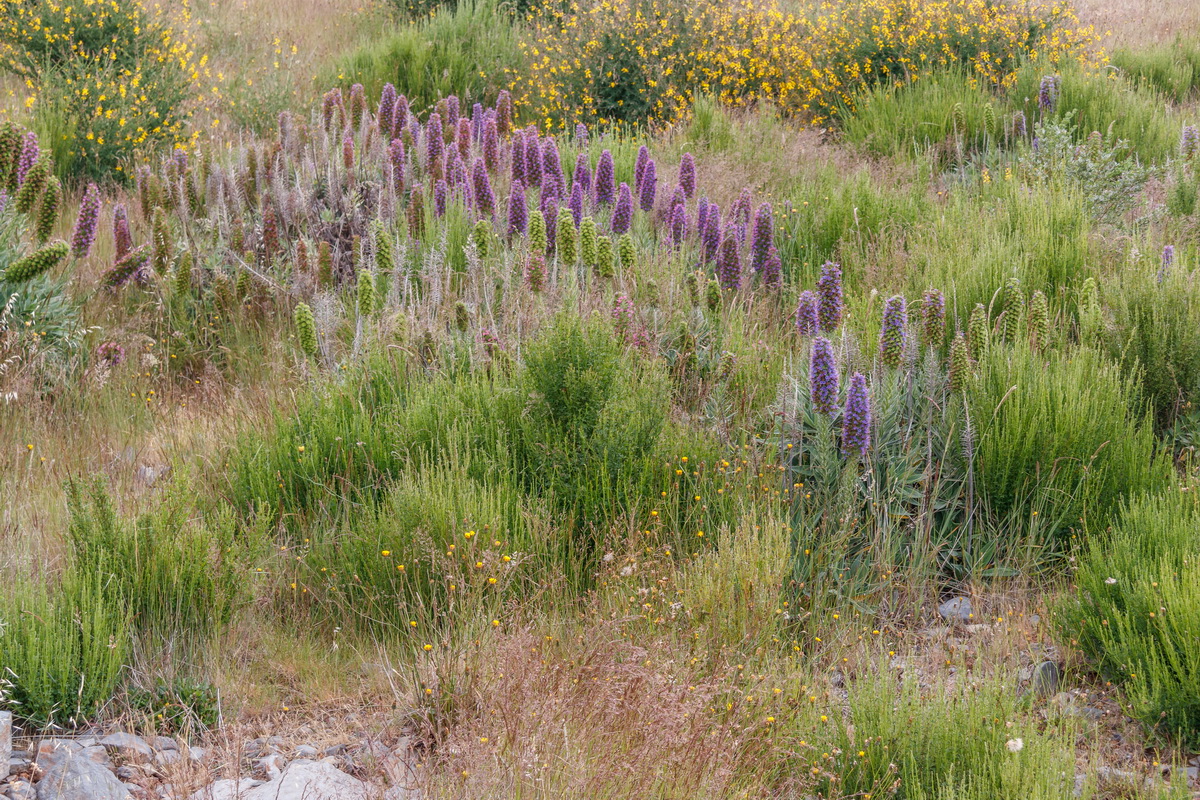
(128, 748)
(957, 608)
(77, 777)
(226, 789)
(50, 752)
(316, 781)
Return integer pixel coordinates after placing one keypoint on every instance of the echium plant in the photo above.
(856, 418)
(605, 184)
(807, 319)
(729, 261)
(894, 333)
(823, 376)
(622, 217)
(763, 238)
(933, 318)
(687, 175)
(829, 289)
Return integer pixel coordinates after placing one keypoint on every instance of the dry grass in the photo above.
(1141, 22)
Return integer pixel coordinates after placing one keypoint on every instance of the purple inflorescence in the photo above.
(552, 163)
(396, 159)
(452, 107)
(894, 333)
(729, 261)
(1019, 125)
(583, 173)
(462, 137)
(807, 321)
(387, 110)
(823, 376)
(649, 186)
(772, 270)
(687, 175)
(622, 216)
(518, 214)
(701, 214)
(1048, 94)
(639, 167)
(85, 224)
(1168, 258)
(433, 141)
(581, 134)
(711, 234)
(549, 208)
(829, 289)
(576, 203)
(606, 186)
(439, 198)
(1189, 142)
(111, 353)
(477, 117)
(533, 157)
(678, 198)
(518, 158)
(122, 239)
(29, 154)
(763, 238)
(856, 417)
(485, 200)
(678, 223)
(491, 143)
(400, 115)
(740, 215)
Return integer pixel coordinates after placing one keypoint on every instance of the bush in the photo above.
(181, 577)
(1133, 611)
(1173, 69)
(1062, 440)
(113, 78)
(468, 51)
(62, 647)
(640, 61)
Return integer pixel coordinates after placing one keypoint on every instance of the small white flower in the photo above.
(1110, 581)
(608, 557)
(1015, 745)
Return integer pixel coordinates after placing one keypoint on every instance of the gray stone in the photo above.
(165, 758)
(76, 777)
(163, 743)
(21, 790)
(5, 739)
(50, 752)
(957, 608)
(197, 753)
(334, 750)
(226, 789)
(401, 793)
(306, 751)
(262, 746)
(128, 773)
(128, 748)
(1045, 679)
(269, 767)
(316, 781)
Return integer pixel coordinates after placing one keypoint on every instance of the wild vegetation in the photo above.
(620, 398)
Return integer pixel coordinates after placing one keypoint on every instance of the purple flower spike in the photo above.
(518, 214)
(550, 214)
(1048, 94)
(894, 333)
(439, 198)
(712, 231)
(387, 111)
(433, 141)
(701, 214)
(518, 158)
(400, 116)
(856, 418)
(763, 240)
(772, 271)
(639, 167)
(1019, 125)
(576, 203)
(829, 288)
(477, 114)
(1168, 258)
(533, 157)
(622, 216)
(823, 376)
(687, 175)
(485, 200)
(583, 173)
(606, 186)
(85, 224)
(29, 154)
(678, 224)
(122, 240)
(729, 261)
(491, 143)
(1189, 142)
(581, 134)
(740, 215)
(462, 137)
(397, 159)
(452, 108)
(649, 186)
(807, 321)
(551, 163)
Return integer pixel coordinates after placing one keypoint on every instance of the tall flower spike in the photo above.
(565, 239)
(576, 203)
(894, 333)
(701, 213)
(587, 242)
(552, 162)
(712, 231)
(387, 111)
(729, 261)
(978, 332)
(772, 272)
(491, 143)
(452, 108)
(583, 173)
(678, 224)
(807, 321)
(306, 329)
(960, 363)
(518, 214)
(433, 142)
(485, 200)
(517, 154)
(29, 156)
(605, 179)
(649, 186)
(1019, 126)
(439, 198)
(1048, 94)
(829, 289)
(933, 318)
(533, 157)
(1189, 142)
(687, 175)
(856, 418)
(462, 137)
(622, 216)
(763, 239)
(1039, 321)
(823, 376)
(1168, 258)
(504, 112)
(639, 167)
(535, 272)
(84, 234)
(549, 212)
(396, 164)
(122, 240)
(740, 215)
(400, 116)
(1014, 308)
(538, 237)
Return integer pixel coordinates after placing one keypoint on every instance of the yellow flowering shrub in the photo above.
(642, 60)
(105, 77)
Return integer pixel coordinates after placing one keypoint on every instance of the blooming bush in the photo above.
(106, 78)
(642, 60)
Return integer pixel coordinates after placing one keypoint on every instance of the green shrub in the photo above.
(62, 647)
(466, 51)
(182, 577)
(1173, 69)
(1133, 613)
(1061, 440)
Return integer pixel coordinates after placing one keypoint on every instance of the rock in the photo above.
(128, 773)
(76, 777)
(269, 767)
(5, 739)
(197, 753)
(52, 751)
(165, 758)
(957, 609)
(163, 743)
(316, 781)
(262, 746)
(306, 751)
(334, 750)
(226, 789)
(98, 754)
(1045, 679)
(21, 790)
(401, 793)
(128, 748)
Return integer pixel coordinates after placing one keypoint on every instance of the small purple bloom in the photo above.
(807, 320)
(856, 418)
(1168, 258)
(823, 376)
(829, 288)
(606, 186)
(583, 173)
(729, 261)
(1048, 94)
(85, 224)
(485, 200)
(576, 203)
(687, 175)
(111, 353)
(518, 214)
(1189, 142)
(622, 216)
(649, 186)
